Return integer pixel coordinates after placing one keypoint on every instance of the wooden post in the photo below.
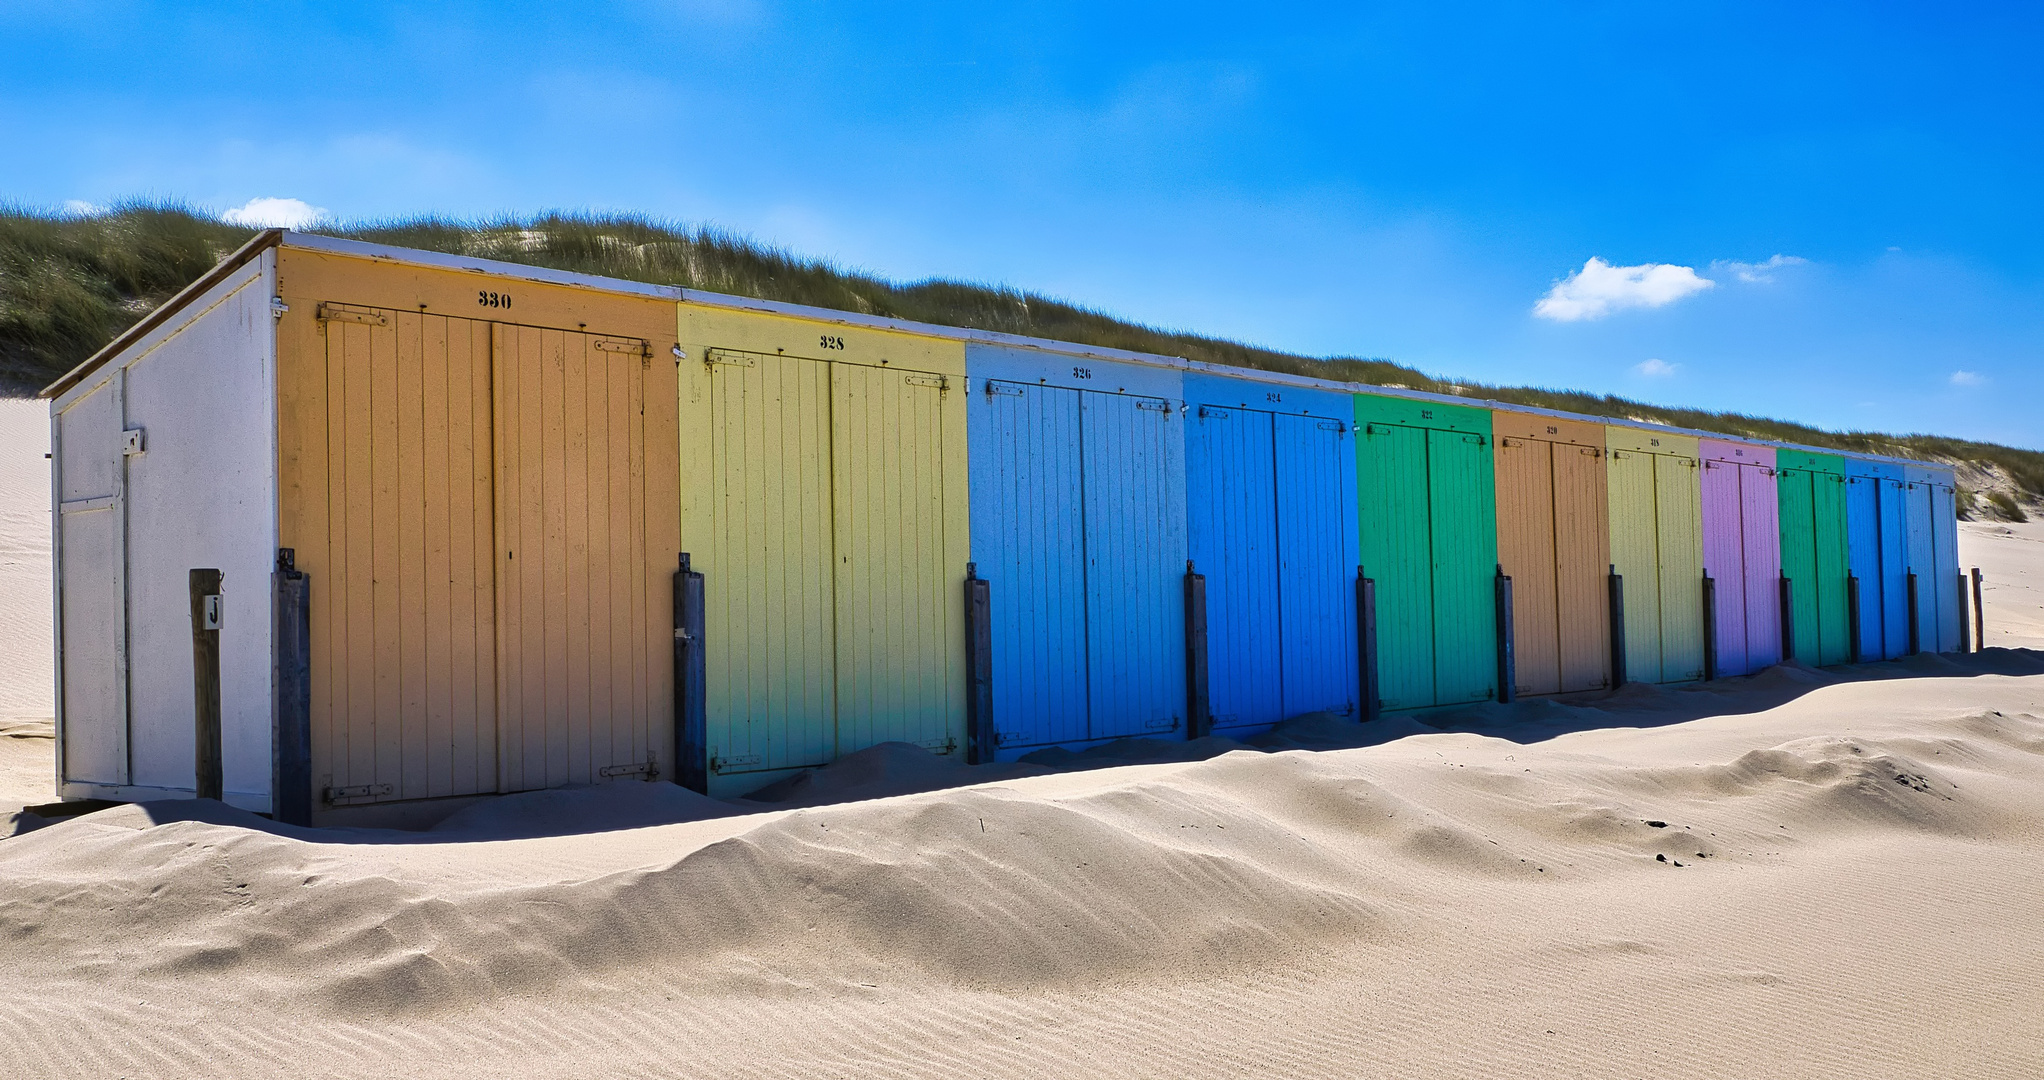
(1979, 615)
(1619, 676)
(1965, 624)
(206, 615)
(1366, 646)
(1710, 627)
(981, 739)
(1852, 612)
(291, 713)
(1198, 721)
(691, 700)
(1788, 619)
(1915, 645)
(1508, 665)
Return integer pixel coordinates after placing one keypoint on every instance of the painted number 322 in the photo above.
(493, 299)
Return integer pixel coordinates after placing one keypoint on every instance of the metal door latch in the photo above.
(131, 442)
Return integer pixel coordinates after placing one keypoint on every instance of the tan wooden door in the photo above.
(404, 688)
(575, 606)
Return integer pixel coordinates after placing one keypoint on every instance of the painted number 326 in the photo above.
(493, 299)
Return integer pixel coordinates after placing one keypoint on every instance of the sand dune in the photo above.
(1835, 885)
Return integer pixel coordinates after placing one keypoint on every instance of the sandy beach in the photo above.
(1797, 874)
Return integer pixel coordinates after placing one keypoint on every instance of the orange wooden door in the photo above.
(578, 624)
(399, 548)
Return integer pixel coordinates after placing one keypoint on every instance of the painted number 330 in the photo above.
(493, 299)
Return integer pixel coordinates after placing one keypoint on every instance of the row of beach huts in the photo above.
(354, 534)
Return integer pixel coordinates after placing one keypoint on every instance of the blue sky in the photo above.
(1407, 181)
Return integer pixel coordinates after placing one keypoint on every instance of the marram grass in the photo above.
(70, 283)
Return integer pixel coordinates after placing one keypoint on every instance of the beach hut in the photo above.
(823, 499)
(1877, 558)
(1812, 491)
(1554, 541)
(1271, 517)
(1742, 555)
(338, 531)
(1427, 497)
(1657, 551)
(1077, 467)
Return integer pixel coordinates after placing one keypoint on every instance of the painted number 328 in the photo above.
(830, 342)
(493, 299)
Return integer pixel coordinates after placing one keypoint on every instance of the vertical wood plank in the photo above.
(408, 565)
(439, 359)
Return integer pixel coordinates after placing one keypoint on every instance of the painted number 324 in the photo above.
(493, 299)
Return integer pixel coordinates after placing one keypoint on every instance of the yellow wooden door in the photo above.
(897, 613)
(771, 661)
(403, 619)
(575, 599)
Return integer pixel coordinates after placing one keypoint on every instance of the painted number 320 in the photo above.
(493, 299)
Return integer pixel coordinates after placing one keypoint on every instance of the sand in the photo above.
(1799, 874)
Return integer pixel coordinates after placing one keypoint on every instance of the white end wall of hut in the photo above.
(200, 494)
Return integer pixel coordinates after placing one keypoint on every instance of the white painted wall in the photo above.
(202, 494)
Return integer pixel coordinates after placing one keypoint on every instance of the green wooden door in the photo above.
(1813, 553)
(1799, 558)
(1426, 499)
(1461, 489)
(1834, 624)
(1397, 551)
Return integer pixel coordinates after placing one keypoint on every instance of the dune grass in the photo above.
(69, 284)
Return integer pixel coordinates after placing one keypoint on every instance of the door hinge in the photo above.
(361, 791)
(337, 313)
(628, 346)
(719, 764)
(643, 768)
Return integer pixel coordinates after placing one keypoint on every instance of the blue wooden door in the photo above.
(1944, 534)
(1894, 568)
(1863, 558)
(1028, 540)
(1921, 560)
(1232, 514)
(1315, 464)
(1134, 497)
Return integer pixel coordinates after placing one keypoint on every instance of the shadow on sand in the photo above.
(892, 769)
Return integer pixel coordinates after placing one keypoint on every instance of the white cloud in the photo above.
(81, 208)
(1759, 273)
(1968, 378)
(1600, 288)
(1656, 369)
(269, 213)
